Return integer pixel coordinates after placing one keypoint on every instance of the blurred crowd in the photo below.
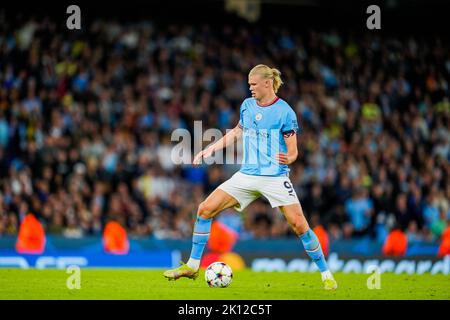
(86, 119)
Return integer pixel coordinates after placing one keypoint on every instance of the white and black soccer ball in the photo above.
(218, 275)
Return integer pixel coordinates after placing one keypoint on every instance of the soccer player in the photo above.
(268, 128)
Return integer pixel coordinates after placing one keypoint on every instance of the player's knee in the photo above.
(205, 211)
(299, 227)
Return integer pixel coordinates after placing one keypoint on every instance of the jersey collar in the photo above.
(269, 104)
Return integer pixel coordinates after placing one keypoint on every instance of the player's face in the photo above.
(259, 87)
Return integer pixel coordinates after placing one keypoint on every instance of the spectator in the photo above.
(438, 226)
(85, 135)
(359, 209)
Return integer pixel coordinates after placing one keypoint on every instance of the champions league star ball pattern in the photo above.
(218, 275)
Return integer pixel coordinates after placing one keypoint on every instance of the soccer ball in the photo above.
(218, 275)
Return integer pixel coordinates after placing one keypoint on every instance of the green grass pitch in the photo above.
(124, 284)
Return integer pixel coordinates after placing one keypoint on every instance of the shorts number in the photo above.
(288, 186)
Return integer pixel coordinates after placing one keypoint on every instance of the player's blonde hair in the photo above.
(268, 73)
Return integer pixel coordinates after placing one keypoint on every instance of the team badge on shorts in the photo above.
(258, 116)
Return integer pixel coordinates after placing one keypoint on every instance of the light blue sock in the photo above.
(202, 228)
(314, 250)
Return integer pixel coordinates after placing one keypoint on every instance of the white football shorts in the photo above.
(247, 188)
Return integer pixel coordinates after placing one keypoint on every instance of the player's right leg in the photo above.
(216, 202)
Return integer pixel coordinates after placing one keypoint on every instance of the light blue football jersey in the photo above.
(263, 129)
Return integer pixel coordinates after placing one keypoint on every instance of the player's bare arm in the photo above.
(292, 151)
(229, 138)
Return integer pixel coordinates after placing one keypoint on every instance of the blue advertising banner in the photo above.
(63, 259)
(89, 254)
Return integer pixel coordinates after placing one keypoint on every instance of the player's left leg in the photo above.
(295, 217)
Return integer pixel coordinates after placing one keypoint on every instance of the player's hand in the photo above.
(202, 154)
(283, 158)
